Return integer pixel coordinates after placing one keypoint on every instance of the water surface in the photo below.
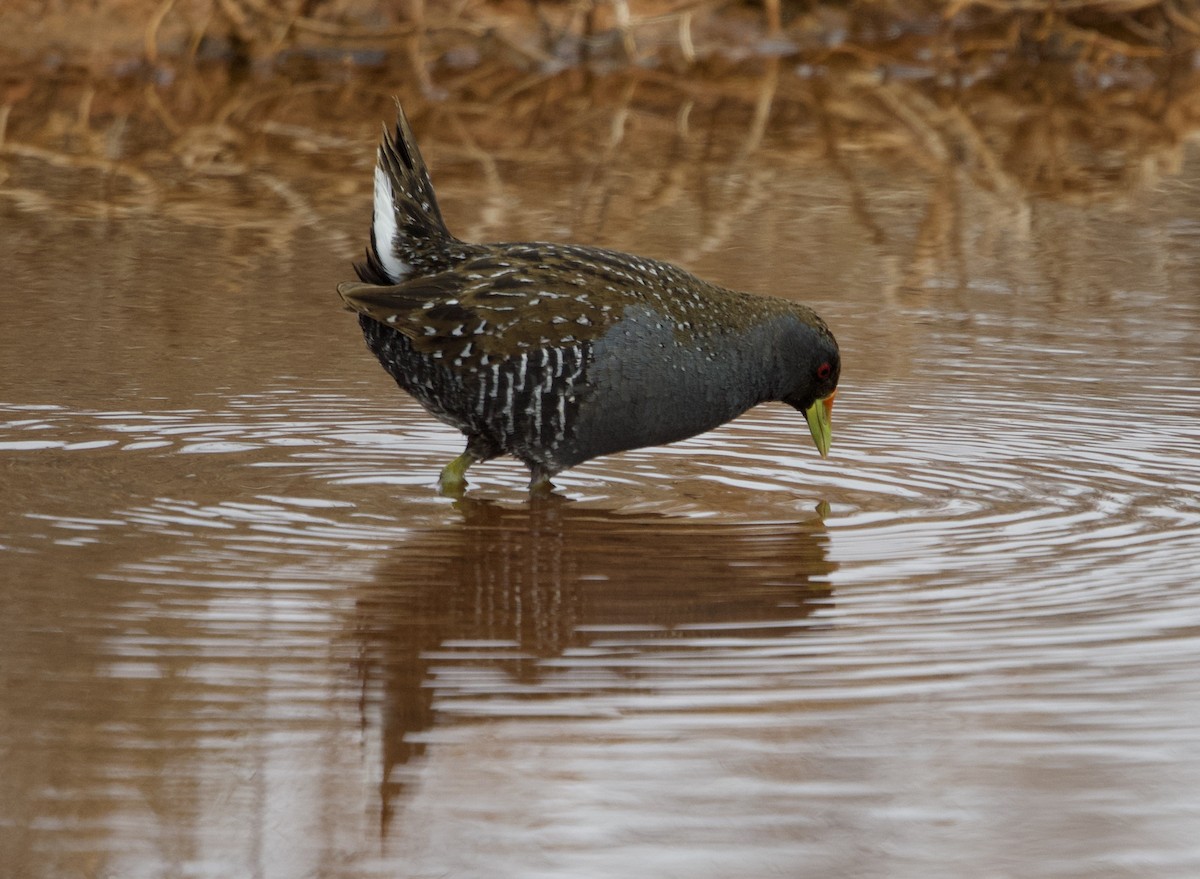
(242, 635)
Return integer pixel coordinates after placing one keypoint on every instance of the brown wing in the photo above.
(520, 297)
(489, 308)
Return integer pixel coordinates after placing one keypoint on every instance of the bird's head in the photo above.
(814, 371)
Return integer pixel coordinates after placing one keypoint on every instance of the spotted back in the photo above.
(518, 299)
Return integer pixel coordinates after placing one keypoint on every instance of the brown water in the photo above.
(242, 636)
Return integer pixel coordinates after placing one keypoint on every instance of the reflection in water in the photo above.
(516, 604)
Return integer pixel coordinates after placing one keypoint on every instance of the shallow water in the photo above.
(242, 635)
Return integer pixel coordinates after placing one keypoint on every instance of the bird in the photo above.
(555, 353)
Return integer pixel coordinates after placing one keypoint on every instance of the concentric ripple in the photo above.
(242, 634)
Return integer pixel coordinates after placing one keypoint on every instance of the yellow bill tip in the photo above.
(819, 416)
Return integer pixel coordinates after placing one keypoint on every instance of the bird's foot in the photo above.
(452, 481)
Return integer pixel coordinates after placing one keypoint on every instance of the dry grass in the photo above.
(1021, 100)
(543, 33)
(1044, 129)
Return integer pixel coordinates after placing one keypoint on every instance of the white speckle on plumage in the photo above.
(535, 409)
(508, 412)
(481, 397)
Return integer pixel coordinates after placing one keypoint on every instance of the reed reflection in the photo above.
(549, 601)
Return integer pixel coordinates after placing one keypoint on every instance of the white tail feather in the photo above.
(385, 229)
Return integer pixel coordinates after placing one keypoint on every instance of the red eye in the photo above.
(824, 371)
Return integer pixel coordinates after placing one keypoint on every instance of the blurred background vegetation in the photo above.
(678, 33)
(251, 112)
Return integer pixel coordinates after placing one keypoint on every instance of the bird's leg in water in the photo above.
(539, 480)
(453, 480)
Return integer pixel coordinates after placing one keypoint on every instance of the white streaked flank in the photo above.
(508, 413)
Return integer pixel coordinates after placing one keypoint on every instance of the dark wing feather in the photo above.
(479, 316)
(512, 299)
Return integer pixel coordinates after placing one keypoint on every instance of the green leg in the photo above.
(453, 480)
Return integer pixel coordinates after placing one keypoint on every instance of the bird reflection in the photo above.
(532, 582)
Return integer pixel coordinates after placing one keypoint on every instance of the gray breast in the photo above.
(651, 382)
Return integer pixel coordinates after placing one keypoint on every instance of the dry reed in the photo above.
(1022, 100)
